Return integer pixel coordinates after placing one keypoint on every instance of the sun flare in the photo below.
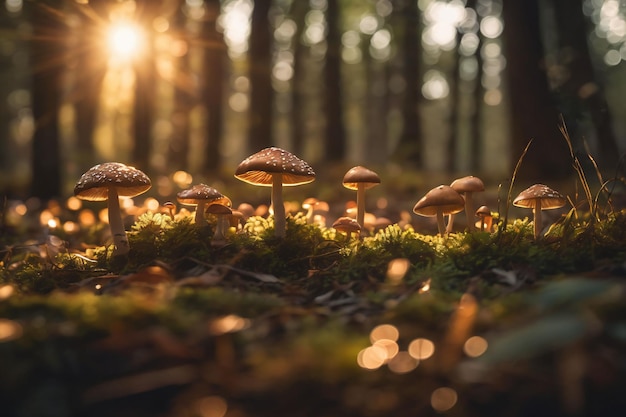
(124, 40)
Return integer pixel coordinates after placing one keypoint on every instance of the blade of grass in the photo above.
(510, 191)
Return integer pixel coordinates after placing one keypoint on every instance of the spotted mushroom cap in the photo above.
(346, 225)
(360, 175)
(257, 169)
(550, 199)
(469, 184)
(443, 198)
(201, 192)
(94, 184)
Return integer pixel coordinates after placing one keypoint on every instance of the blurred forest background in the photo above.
(194, 86)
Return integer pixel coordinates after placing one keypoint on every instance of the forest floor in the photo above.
(316, 323)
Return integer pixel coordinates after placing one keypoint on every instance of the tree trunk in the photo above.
(298, 96)
(533, 111)
(91, 68)
(145, 92)
(214, 61)
(581, 88)
(178, 147)
(409, 149)
(46, 50)
(260, 68)
(333, 106)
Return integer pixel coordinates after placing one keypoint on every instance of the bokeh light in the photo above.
(421, 348)
(384, 331)
(443, 399)
(475, 346)
(125, 40)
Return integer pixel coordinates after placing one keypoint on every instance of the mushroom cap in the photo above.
(218, 209)
(483, 211)
(360, 175)
(201, 192)
(309, 203)
(94, 184)
(550, 199)
(346, 225)
(469, 184)
(257, 169)
(443, 198)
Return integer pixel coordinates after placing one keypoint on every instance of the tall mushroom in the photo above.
(468, 186)
(109, 181)
(539, 197)
(200, 195)
(275, 167)
(439, 201)
(360, 179)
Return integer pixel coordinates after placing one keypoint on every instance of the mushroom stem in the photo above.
(199, 217)
(219, 238)
(280, 224)
(450, 223)
(469, 211)
(537, 220)
(120, 241)
(360, 204)
(440, 222)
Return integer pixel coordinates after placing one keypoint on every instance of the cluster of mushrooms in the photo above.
(275, 167)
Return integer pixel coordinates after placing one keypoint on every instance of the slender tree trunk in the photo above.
(533, 111)
(178, 148)
(298, 112)
(145, 91)
(581, 87)
(91, 69)
(260, 68)
(214, 61)
(409, 149)
(46, 52)
(475, 119)
(454, 98)
(335, 133)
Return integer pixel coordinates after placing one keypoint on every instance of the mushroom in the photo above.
(200, 195)
(539, 197)
(275, 167)
(439, 201)
(109, 181)
(360, 179)
(347, 225)
(220, 211)
(171, 208)
(309, 204)
(467, 186)
(484, 213)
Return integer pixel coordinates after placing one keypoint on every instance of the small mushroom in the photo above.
(109, 181)
(309, 204)
(360, 179)
(484, 214)
(275, 167)
(467, 186)
(347, 225)
(220, 211)
(539, 197)
(439, 201)
(200, 195)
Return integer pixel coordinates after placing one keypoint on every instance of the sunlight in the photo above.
(124, 40)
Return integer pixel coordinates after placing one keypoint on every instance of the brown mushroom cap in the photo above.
(443, 198)
(219, 209)
(483, 211)
(257, 169)
(550, 199)
(360, 175)
(94, 184)
(201, 192)
(346, 225)
(469, 184)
